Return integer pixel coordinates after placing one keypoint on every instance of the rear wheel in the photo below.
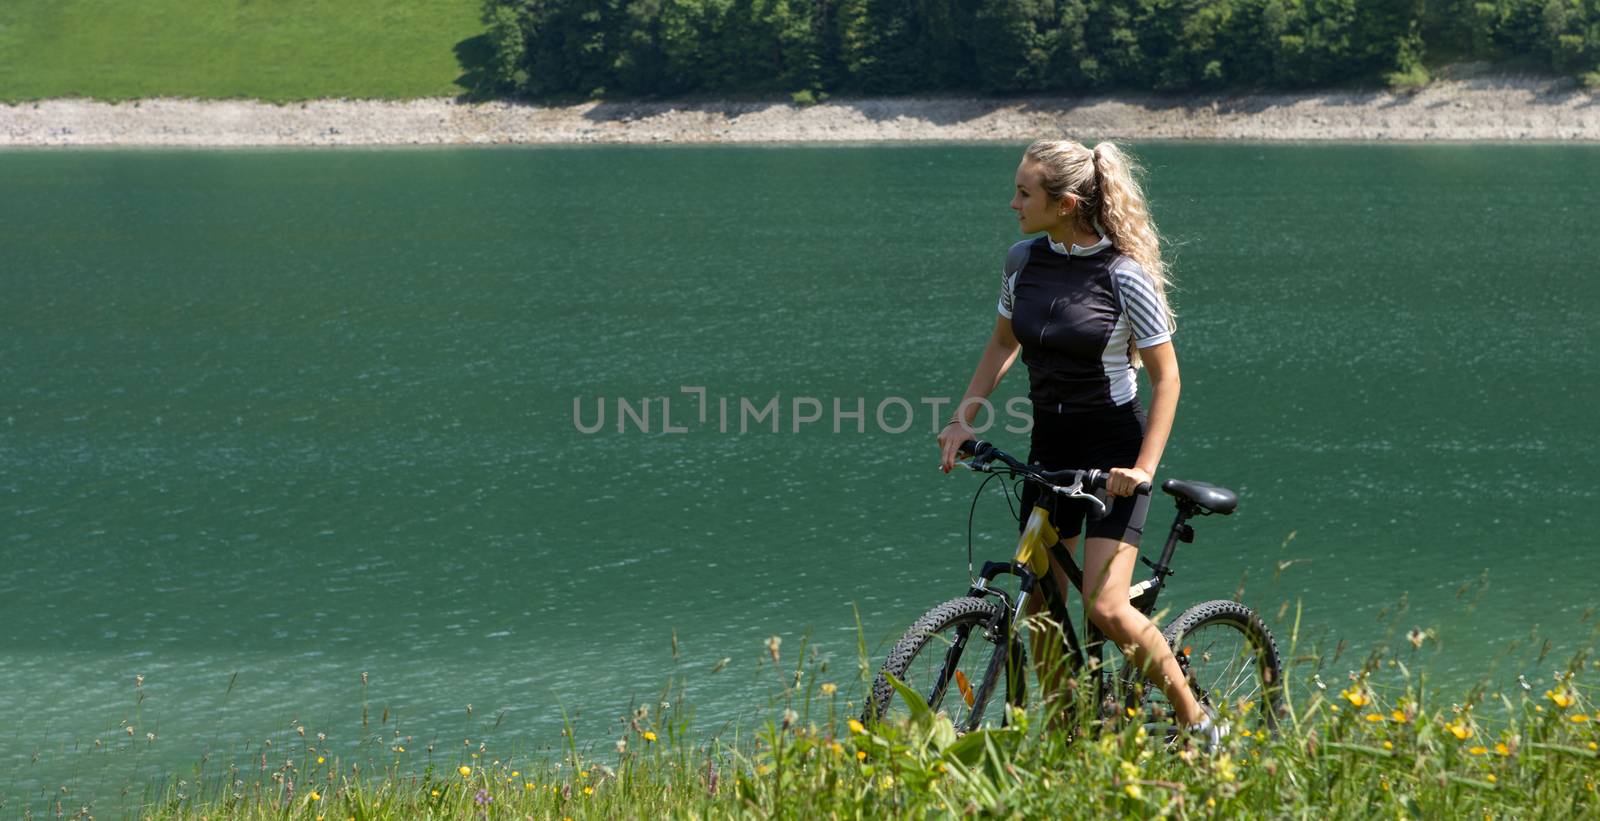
(1230, 660)
(948, 658)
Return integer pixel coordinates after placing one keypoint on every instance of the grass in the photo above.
(1379, 742)
(274, 50)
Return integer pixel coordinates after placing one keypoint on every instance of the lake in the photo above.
(273, 423)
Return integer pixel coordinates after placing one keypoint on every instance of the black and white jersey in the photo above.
(1079, 313)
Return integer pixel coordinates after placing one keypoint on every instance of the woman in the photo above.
(1086, 303)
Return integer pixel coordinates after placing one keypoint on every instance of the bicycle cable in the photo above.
(971, 513)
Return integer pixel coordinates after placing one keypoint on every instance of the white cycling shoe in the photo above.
(1210, 731)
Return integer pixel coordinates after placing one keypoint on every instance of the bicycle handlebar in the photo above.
(982, 453)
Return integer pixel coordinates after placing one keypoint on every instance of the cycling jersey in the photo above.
(1079, 313)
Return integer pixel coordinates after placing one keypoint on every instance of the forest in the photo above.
(544, 49)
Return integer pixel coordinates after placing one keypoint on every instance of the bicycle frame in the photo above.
(1031, 565)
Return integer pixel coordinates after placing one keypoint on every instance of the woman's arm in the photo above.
(1162, 363)
(998, 355)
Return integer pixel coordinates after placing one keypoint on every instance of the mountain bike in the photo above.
(974, 644)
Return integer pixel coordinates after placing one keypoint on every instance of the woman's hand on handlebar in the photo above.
(1124, 481)
(950, 441)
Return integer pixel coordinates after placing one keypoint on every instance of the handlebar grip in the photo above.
(974, 447)
(1097, 479)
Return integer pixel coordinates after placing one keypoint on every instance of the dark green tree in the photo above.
(507, 49)
(638, 63)
(1015, 39)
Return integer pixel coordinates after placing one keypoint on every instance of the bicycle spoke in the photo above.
(952, 657)
(1224, 662)
(948, 670)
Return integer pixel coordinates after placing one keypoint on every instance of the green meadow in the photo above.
(1379, 742)
(275, 50)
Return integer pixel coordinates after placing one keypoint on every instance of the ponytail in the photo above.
(1125, 219)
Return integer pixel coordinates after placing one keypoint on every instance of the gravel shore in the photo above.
(1469, 109)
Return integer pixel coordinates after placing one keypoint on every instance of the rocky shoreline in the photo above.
(1481, 109)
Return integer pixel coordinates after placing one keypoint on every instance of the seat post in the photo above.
(1179, 531)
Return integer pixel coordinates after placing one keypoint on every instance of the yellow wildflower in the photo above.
(1491, 778)
(1593, 746)
(1398, 717)
(588, 790)
(649, 735)
(761, 769)
(1132, 712)
(1579, 718)
(1374, 716)
(887, 782)
(465, 771)
(1211, 803)
(1502, 749)
(320, 759)
(943, 769)
(1132, 790)
(836, 748)
(435, 793)
(1356, 697)
(316, 796)
(857, 727)
(515, 774)
(1461, 731)
(1384, 783)
(399, 749)
(1388, 745)
(527, 785)
(829, 688)
(861, 755)
(1562, 699)
(1477, 749)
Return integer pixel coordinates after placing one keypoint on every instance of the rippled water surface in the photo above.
(281, 419)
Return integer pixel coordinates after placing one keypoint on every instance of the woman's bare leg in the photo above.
(1107, 572)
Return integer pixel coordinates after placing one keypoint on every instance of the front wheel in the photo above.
(950, 658)
(1230, 660)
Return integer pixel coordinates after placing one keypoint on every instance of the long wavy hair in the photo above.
(1110, 201)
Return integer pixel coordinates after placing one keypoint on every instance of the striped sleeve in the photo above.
(1146, 312)
(1016, 258)
(1008, 284)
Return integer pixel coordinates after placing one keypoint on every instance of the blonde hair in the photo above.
(1109, 201)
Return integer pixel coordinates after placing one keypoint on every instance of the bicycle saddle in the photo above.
(1210, 497)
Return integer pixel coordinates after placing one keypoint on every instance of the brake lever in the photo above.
(1076, 492)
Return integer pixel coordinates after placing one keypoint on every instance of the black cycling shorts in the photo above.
(1100, 439)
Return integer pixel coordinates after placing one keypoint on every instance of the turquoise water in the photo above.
(285, 418)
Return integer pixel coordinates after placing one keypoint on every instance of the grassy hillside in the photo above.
(277, 50)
